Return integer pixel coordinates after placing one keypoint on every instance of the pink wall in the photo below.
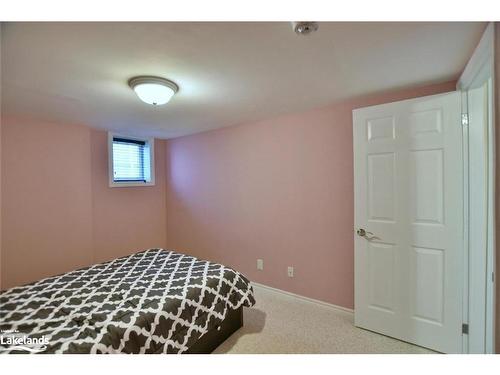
(58, 212)
(46, 195)
(126, 219)
(1, 28)
(1, 288)
(280, 190)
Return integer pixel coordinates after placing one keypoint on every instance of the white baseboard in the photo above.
(312, 300)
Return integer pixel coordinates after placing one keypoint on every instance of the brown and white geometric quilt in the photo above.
(155, 301)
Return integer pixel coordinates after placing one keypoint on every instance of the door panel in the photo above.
(409, 199)
(380, 129)
(381, 187)
(428, 282)
(425, 123)
(381, 267)
(426, 173)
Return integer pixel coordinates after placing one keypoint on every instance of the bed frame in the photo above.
(217, 335)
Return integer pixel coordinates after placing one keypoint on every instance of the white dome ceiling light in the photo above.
(153, 90)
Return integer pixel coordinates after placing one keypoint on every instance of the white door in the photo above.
(409, 201)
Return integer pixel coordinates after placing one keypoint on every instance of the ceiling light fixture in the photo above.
(153, 90)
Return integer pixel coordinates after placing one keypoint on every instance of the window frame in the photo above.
(149, 143)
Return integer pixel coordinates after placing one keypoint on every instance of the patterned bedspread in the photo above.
(156, 301)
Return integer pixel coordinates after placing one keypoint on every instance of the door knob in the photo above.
(363, 233)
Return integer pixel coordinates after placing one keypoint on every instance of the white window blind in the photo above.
(130, 160)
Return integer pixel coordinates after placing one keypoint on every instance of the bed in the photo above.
(154, 301)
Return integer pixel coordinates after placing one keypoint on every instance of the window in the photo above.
(131, 161)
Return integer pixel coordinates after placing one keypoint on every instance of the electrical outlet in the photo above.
(260, 264)
(290, 271)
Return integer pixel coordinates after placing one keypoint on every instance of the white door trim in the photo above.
(482, 58)
(480, 71)
(465, 281)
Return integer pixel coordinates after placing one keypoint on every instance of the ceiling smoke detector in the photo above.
(305, 28)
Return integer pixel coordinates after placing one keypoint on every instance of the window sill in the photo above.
(130, 184)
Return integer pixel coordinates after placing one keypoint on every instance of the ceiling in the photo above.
(228, 73)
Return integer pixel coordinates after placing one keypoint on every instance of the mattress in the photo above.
(155, 301)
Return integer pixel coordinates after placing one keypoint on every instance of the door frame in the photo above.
(478, 72)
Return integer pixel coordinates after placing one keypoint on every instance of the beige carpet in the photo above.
(279, 323)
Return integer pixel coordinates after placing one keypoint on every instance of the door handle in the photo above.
(363, 233)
